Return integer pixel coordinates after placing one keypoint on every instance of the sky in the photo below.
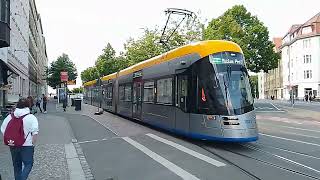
(82, 28)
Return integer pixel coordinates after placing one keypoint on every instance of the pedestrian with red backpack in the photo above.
(20, 131)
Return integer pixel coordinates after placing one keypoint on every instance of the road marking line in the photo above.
(275, 106)
(286, 132)
(301, 129)
(294, 128)
(172, 167)
(309, 143)
(270, 111)
(98, 140)
(188, 151)
(107, 127)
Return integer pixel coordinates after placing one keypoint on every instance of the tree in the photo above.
(239, 26)
(63, 63)
(143, 48)
(105, 62)
(254, 86)
(89, 74)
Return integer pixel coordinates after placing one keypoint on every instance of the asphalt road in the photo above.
(312, 106)
(288, 148)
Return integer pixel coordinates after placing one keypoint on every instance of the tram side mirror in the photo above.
(181, 99)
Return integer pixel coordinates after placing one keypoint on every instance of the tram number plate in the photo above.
(249, 121)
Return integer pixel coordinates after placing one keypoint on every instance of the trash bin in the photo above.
(72, 101)
(77, 103)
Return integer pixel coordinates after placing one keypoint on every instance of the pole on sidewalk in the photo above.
(292, 98)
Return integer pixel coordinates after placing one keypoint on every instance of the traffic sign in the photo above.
(64, 76)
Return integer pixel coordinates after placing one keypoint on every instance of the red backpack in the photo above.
(14, 133)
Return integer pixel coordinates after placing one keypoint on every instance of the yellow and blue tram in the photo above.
(199, 90)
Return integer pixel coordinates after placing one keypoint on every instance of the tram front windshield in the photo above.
(223, 85)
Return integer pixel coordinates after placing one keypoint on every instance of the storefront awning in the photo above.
(5, 67)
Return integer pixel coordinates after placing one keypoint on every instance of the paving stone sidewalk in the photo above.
(51, 160)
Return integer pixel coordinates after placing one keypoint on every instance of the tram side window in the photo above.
(164, 91)
(182, 92)
(121, 93)
(127, 92)
(148, 91)
(109, 92)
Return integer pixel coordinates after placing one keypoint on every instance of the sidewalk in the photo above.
(295, 111)
(288, 101)
(55, 154)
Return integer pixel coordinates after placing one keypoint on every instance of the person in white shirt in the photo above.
(23, 155)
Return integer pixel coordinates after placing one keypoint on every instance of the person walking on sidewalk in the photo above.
(38, 103)
(24, 134)
(33, 110)
(44, 103)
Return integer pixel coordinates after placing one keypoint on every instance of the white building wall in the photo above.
(16, 56)
(295, 57)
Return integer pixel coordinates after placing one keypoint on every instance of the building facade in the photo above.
(298, 71)
(300, 54)
(17, 56)
(272, 86)
(38, 55)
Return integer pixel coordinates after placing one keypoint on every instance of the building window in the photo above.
(148, 92)
(306, 30)
(306, 43)
(308, 74)
(5, 11)
(164, 91)
(306, 59)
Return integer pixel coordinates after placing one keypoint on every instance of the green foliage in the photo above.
(63, 63)
(238, 25)
(144, 48)
(77, 90)
(105, 62)
(254, 86)
(89, 74)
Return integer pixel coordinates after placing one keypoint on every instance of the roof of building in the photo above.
(277, 43)
(296, 29)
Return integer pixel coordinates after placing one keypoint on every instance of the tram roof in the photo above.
(202, 48)
(90, 83)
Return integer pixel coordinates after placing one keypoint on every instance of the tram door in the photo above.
(182, 117)
(137, 99)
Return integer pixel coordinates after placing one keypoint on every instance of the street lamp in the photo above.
(290, 85)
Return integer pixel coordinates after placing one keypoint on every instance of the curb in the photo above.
(75, 170)
(84, 164)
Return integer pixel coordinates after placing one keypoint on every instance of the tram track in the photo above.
(254, 176)
(246, 172)
(289, 151)
(281, 158)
